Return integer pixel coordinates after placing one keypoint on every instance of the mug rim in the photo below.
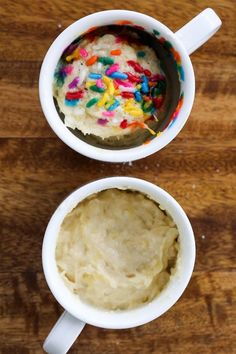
(104, 154)
(131, 317)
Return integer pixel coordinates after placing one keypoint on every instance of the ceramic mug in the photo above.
(183, 43)
(77, 312)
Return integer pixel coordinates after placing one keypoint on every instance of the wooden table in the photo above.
(38, 171)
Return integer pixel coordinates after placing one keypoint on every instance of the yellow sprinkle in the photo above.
(89, 83)
(111, 88)
(151, 131)
(138, 86)
(103, 100)
(117, 92)
(133, 111)
(106, 80)
(74, 55)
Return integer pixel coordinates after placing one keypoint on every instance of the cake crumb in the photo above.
(203, 237)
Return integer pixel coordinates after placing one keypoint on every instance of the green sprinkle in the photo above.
(92, 102)
(157, 33)
(147, 107)
(96, 89)
(167, 45)
(106, 60)
(141, 54)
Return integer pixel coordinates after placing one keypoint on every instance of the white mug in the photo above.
(77, 312)
(184, 42)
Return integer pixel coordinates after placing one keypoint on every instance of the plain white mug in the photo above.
(183, 42)
(78, 313)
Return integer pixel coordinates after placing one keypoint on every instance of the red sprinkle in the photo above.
(158, 101)
(147, 72)
(74, 95)
(132, 77)
(136, 66)
(124, 124)
(127, 94)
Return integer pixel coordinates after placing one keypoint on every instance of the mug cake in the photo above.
(110, 87)
(117, 249)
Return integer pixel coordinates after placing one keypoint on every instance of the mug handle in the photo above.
(197, 31)
(63, 334)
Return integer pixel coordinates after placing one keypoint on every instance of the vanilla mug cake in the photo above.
(117, 249)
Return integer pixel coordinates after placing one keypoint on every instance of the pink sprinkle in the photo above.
(83, 52)
(102, 121)
(99, 83)
(124, 83)
(118, 39)
(112, 69)
(108, 113)
(157, 77)
(67, 69)
(74, 83)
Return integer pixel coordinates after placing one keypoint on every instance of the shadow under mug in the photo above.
(180, 44)
(77, 313)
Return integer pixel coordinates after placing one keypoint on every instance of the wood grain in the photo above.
(38, 171)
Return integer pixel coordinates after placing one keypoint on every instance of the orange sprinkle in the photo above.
(124, 22)
(151, 84)
(91, 29)
(115, 52)
(91, 60)
(146, 142)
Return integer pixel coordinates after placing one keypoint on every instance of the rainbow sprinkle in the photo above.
(137, 92)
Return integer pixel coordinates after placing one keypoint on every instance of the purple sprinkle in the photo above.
(69, 50)
(102, 121)
(74, 83)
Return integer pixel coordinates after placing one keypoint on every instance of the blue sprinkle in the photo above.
(141, 54)
(71, 103)
(144, 79)
(118, 75)
(181, 72)
(114, 106)
(144, 87)
(95, 76)
(138, 96)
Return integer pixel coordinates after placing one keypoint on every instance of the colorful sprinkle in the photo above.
(126, 94)
(115, 52)
(96, 89)
(112, 69)
(124, 83)
(99, 83)
(92, 102)
(71, 103)
(91, 60)
(103, 100)
(132, 77)
(67, 69)
(108, 114)
(114, 105)
(102, 121)
(74, 95)
(147, 72)
(118, 39)
(74, 83)
(141, 54)
(83, 52)
(119, 75)
(95, 76)
(124, 124)
(136, 66)
(138, 96)
(106, 60)
(75, 55)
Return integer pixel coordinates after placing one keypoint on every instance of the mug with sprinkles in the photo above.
(119, 85)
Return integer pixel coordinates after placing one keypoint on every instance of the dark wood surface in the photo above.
(38, 171)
